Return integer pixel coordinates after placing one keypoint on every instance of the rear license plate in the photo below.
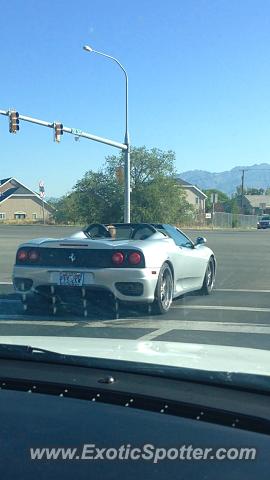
(71, 279)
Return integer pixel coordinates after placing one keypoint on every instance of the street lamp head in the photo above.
(87, 48)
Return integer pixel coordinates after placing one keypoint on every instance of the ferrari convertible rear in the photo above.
(134, 263)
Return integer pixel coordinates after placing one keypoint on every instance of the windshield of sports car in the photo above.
(135, 181)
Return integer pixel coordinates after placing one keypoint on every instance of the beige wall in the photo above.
(191, 198)
(23, 204)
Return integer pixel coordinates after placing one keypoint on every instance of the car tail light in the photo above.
(118, 258)
(33, 255)
(134, 258)
(22, 255)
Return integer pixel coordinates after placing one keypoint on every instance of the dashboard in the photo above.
(45, 406)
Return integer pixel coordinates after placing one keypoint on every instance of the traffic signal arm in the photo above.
(73, 131)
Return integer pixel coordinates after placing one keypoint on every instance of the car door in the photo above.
(189, 261)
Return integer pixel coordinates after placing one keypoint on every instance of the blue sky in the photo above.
(199, 74)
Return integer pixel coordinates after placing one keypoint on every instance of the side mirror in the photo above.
(201, 241)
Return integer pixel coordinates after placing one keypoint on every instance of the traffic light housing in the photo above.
(58, 131)
(14, 122)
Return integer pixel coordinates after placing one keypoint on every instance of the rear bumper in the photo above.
(28, 280)
(263, 227)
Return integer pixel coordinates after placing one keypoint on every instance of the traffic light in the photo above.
(58, 131)
(14, 122)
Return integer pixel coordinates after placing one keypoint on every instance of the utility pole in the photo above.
(213, 214)
(242, 189)
(214, 199)
(42, 195)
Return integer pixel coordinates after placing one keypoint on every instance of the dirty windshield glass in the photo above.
(135, 181)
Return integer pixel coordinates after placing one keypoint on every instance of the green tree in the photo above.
(98, 198)
(254, 191)
(65, 211)
(155, 194)
(235, 212)
(223, 199)
(249, 190)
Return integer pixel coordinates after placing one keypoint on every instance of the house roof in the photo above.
(189, 186)
(4, 180)
(256, 200)
(183, 182)
(19, 189)
(7, 193)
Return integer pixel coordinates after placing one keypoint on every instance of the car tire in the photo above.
(164, 291)
(209, 278)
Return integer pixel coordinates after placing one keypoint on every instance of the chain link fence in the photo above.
(220, 220)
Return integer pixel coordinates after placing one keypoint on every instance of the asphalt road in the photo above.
(12, 235)
(237, 313)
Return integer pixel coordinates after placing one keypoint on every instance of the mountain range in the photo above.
(257, 176)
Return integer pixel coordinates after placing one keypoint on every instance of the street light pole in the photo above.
(87, 48)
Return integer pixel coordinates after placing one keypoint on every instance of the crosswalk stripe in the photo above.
(243, 290)
(183, 325)
(220, 307)
(158, 327)
(17, 320)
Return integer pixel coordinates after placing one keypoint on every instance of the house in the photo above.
(20, 203)
(256, 204)
(194, 195)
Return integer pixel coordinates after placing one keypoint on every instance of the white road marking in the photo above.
(244, 290)
(185, 307)
(220, 307)
(9, 300)
(4, 320)
(156, 333)
(182, 325)
(170, 325)
(215, 289)
(188, 326)
(216, 327)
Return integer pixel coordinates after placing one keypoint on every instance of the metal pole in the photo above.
(43, 213)
(127, 185)
(127, 163)
(127, 139)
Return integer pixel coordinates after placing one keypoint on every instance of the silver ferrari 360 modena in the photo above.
(140, 263)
